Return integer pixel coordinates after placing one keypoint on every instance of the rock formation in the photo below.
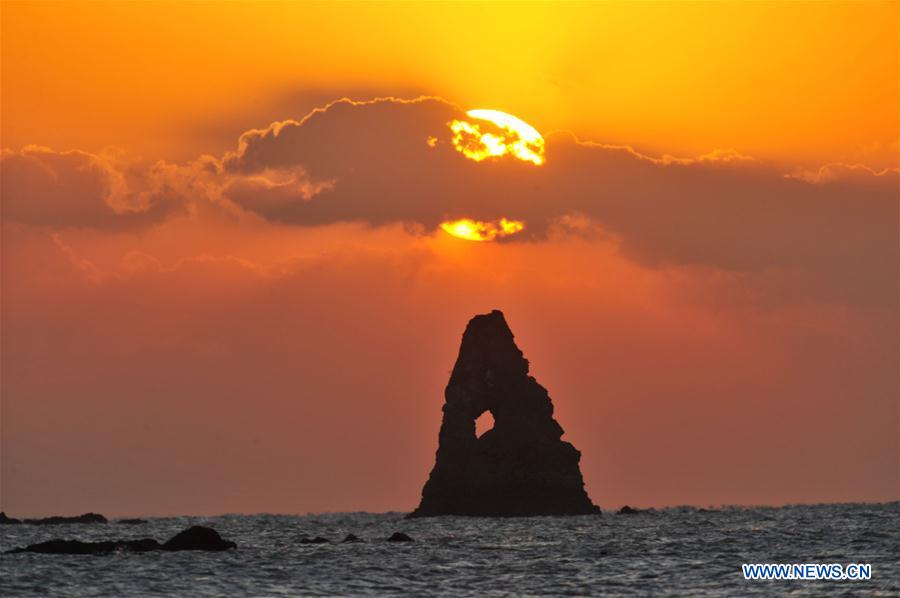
(56, 520)
(193, 538)
(518, 468)
(5, 520)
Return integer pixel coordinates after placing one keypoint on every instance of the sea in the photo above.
(681, 551)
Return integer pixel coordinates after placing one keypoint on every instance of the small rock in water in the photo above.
(399, 537)
(351, 538)
(316, 540)
(198, 538)
(626, 510)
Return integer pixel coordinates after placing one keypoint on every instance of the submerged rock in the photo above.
(351, 538)
(521, 467)
(399, 537)
(78, 547)
(194, 538)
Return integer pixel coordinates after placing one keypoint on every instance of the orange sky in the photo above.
(193, 325)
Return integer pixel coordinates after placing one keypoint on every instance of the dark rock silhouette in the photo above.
(316, 540)
(351, 538)
(198, 538)
(520, 467)
(57, 520)
(399, 537)
(131, 521)
(4, 520)
(626, 510)
(194, 538)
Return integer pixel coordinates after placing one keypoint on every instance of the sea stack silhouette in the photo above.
(519, 468)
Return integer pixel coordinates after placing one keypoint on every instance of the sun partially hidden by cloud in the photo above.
(498, 134)
(477, 230)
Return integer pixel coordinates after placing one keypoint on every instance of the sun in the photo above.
(478, 230)
(492, 134)
(497, 134)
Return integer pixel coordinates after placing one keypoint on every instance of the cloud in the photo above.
(43, 187)
(216, 129)
(391, 161)
(372, 162)
(841, 171)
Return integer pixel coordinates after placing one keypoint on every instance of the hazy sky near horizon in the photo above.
(225, 289)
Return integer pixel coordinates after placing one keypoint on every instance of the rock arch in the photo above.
(521, 466)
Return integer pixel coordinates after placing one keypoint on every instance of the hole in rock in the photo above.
(484, 423)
